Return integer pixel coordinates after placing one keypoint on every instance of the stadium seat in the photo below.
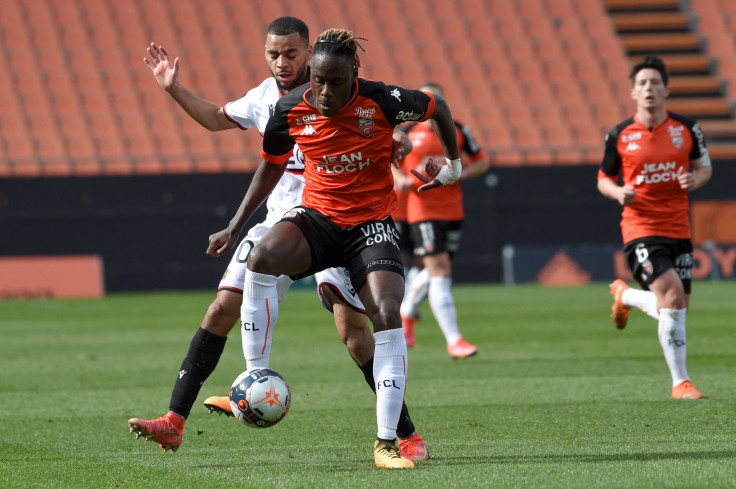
(538, 92)
(558, 136)
(528, 70)
(85, 56)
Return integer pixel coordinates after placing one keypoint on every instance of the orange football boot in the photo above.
(686, 390)
(619, 312)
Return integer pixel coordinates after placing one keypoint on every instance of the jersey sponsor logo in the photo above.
(684, 266)
(404, 116)
(658, 173)
(369, 112)
(305, 119)
(636, 136)
(378, 232)
(309, 130)
(632, 147)
(343, 164)
(396, 94)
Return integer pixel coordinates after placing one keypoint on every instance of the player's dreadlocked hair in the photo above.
(339, 42)
(653, 62)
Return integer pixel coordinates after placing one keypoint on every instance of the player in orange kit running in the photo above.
(344, 128)
(435, 222)
(661, 157)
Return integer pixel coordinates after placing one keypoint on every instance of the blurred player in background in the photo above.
(403, 184)
(344, 127)
(287, 56)
(661, 157)
(435, 223)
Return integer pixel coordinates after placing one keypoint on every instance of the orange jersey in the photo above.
(650, 160)
(347, 156)
(443, 203)
(399, 213)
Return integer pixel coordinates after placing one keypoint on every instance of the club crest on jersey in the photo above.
(365, 120)
(676, 134)
(365, 124)
(678, 142)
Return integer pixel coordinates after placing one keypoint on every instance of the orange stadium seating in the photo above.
(538, 81)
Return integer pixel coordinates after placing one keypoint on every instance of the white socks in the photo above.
(672, 339)
(443, 308)
(389, 372)
(258, 316)
(641, 299)
(417, 284)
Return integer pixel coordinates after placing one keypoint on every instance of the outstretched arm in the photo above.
(437, 174)
(209, 115)
(264, 181)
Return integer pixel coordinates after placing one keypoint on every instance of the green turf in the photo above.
(557, 397)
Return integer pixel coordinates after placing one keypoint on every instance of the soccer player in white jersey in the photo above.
(287, 55)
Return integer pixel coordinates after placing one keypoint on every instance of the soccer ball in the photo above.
(260, 398)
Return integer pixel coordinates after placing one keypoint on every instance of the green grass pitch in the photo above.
(556, 397)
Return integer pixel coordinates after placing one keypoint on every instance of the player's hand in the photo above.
(687, 181)
(438, 175)
(432, 169)
(400, 147)
(221, 242)
(627, 195)
(164, 70)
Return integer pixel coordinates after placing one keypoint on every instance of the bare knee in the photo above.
(387, 315)
(223, 313)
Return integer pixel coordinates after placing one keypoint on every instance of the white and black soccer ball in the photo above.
(260, 397)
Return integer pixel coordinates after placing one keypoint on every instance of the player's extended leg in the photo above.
(381, 295)
(353, 328)
(443, 305)
(673, 304)
(417, 287)
(625, 297)
(204, 352)
(256, 349)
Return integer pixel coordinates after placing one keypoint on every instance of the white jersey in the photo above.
(254, 109)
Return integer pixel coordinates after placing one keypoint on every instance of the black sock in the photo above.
(204, 353)
(405, 427)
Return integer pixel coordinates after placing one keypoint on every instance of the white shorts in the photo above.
(338, 280)
(280, 201)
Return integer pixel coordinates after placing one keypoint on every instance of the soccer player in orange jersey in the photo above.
(661, 157)
(435, 223)
(287, 53)
(344, 127)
